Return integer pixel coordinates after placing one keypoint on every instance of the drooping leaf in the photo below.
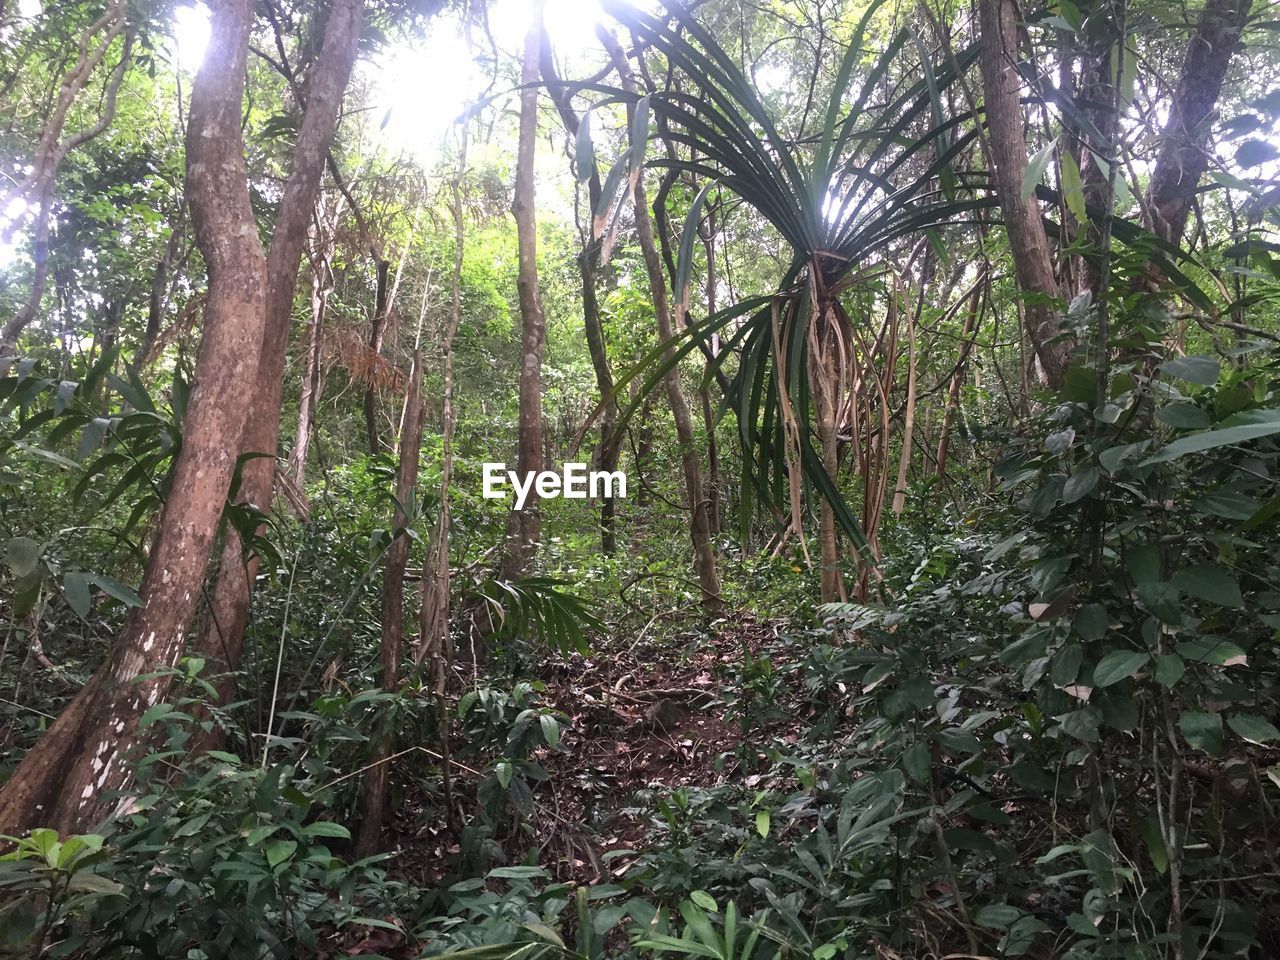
(1034, 173)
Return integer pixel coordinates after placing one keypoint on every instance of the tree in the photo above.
(79, 767)
(222, 633)
(1032, 262)
(524, 525)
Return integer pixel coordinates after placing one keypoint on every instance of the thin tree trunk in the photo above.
(313, 373)
(957, 378)
(704, 391)
(524, 526)
(377, 777)
(221, 639)
(377, 329)
(588, 259)
(1032, 263)
(67, 780)
(704, 560)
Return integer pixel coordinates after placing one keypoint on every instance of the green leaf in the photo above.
(584, 154)
(1253, 728)
(1162, 599)
(326, 828)
(75, 587)
(704, 900)
(1081, 724)
(1198, 369)
(550, 729)
(114, 588)
(997, 916)
(1091, 621)
(1149, 827)
(280, 851)
(1214, 650)
(1080, 484)
(23, 554)
(1183, 416)
(1210, 582)
(1202, 730)
(1169, 669)
(1241, 428)
(917, 761)
(1034, 173)
(1073, 188)
(1118, 665)
(763, 821)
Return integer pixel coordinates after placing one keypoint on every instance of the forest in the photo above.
(584, 479)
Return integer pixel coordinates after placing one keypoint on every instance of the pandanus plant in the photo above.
(815, 358)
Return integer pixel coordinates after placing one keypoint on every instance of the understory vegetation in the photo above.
(936, 343)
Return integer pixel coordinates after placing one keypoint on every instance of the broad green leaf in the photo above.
(763, 821)
(1253, 728)
(550, 729)
(280, 851)
(1202, 730)
(1091, 621)
(22, 554)
(326, 828)
(1169, 669)
(916, 761)
(1198, 369)
(1210, 582)
(75, 587)
(704, 900)
(1183, 416)
(1215, 650)
(1080, 484)
(1118, 665)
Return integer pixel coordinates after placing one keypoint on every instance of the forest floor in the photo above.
(643, 713)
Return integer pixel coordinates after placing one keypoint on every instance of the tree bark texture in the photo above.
(1184, 154)
(221, 638)
(1033, 265)
(67, 780)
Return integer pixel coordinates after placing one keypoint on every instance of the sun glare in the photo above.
(422, 87)
(190, 36)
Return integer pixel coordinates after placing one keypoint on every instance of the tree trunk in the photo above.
(1184, 156)
(704, 561)
(378, 776)
(1032, 263)
(377, 329)
(67, 780)
(524, 526)
(588, 258)
(221, 638)
(313, 371)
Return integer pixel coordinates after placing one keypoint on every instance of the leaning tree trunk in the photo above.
(1032, 263)
(71, 776)
(377, 777)
(1183, 156)
(704, 560)
(222, 633)
(524, 526)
